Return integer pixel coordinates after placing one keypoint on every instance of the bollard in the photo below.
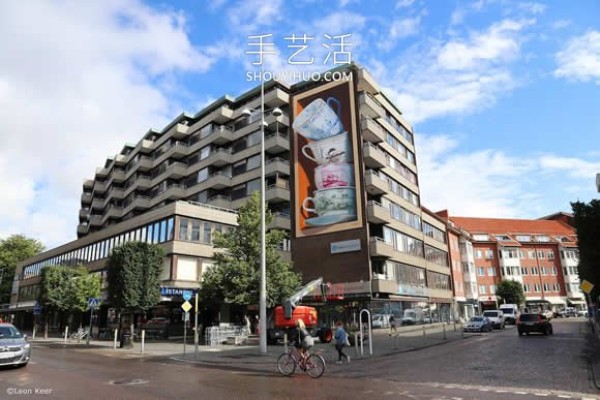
(66, 333)
(115, 339)
(285, 343)
(454, 326)
(424, 330)
(356, 343)
(444, 326)
(143, 339)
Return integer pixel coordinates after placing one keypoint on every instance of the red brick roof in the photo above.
(513, 226)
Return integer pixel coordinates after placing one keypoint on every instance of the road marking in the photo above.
(520, 392)
(564, 396)
(540, 394)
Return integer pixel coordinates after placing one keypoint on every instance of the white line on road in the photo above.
(541, 394)
(521, 393)
(564, 396)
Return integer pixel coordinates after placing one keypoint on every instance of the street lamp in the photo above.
(263, 229)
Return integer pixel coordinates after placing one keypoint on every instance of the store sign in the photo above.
(167, 291)
(346, 246)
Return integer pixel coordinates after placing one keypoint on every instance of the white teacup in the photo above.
(318, 121)
(334, 149)
(334, 175)
(333, 201)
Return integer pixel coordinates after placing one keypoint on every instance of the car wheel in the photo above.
(520, 333)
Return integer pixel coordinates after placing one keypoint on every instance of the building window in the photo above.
(489, 254)
(536, 288)
(554, 271)
(195, 230)
(534, 271)
(478, 254)
(544, 272)
(491, 271)
(206, 235)
(492, 289)
(523, 270)
(480, 271)
(482, 289)
(526, 288)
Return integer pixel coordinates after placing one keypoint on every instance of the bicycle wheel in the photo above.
(286, 364)
(315, 366)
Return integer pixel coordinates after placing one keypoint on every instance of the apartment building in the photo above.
(540, 254)
(347, 196)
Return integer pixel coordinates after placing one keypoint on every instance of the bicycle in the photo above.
(79, 335)
(313, 364)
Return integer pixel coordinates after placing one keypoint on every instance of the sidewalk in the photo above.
(408, 339)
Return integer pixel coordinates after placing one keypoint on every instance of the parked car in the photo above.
(511, 312)
(14, 349)
(496, 317)
(478, 323)
(569, 312)
(381, 321)
(533, 322)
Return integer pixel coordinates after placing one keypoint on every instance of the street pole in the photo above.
(263, 199)
(87, 338)
(196, 328)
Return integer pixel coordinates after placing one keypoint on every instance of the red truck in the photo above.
(285, 316)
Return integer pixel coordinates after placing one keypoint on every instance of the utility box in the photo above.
(305, 313)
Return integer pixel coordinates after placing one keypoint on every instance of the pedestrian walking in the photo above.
(392, 322)
(341, 341)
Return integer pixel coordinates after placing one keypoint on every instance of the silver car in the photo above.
(14, 349)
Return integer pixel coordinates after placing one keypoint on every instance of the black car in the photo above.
(533, 322)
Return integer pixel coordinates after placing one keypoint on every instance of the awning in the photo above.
(576, 301)
(556, 300)
(407, 298)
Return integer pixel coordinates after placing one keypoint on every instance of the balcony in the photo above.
(137, 202)
(218, 181)
(97, 203)
(142, 182)
(375, 184)
(120, 159)
(222, 135)
(383, 285)
(281, 221)
(220, 201)
(88, 184)
(379, 248)
(117, 175)
(276, 123)
(180, 131)
(146, 146)
(177, 170)
(370, 107)
(277, 142)
(112, 212)
(83, 229)
(373, 157)
(279, 192)
(95, 220)
(377, 214)
(178, 150)
(144, 163)
(276, 165)
(371, 130)
(219, 157)
(221, 115)
(86, 198)
(84, 213)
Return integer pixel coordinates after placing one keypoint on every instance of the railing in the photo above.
(285, 185)
(214, 207)
(277, 159)
(283, 135)
(374, 148)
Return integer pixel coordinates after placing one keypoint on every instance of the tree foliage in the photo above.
(587, 224)
(134, 276)
(68, 288)
(511, 292)
(14, 249)
(235, 276)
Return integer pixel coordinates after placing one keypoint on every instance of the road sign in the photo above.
(186, 306)
(586, 286)
(187, 295)
(37, 309)
(93, 303)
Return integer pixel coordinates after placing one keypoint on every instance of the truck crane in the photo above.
(287, 314)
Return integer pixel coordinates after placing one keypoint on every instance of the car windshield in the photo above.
(9, 332)
(490, 314)
(476, 319)
(507, 310)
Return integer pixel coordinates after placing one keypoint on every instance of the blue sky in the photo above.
(504, 95)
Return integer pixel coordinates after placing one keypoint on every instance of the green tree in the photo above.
(511, 292)
(134, 276)
(587, 223)
(235, 276)
(14, 249)
(67, 289)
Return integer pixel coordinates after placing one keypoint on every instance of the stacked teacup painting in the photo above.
(329, 146)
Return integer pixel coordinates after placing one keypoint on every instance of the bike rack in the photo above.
(362, 336)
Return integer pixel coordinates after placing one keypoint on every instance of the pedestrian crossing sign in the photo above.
(93, 303)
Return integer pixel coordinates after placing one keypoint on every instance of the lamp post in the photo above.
(263, 229)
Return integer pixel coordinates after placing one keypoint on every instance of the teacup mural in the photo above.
(328, 149)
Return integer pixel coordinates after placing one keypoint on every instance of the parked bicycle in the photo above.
(313, 364)
(79, 335)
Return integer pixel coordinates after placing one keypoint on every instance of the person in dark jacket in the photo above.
(341, 340)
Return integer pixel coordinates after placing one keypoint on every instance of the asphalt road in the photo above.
(496, 365)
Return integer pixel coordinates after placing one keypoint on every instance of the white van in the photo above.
(511, 312)
(496, 317)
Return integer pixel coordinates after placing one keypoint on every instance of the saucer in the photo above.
(330, 219)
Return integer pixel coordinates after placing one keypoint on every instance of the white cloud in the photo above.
(580, 60)
(458, 76)
(248, 15)
(73, 95)
(489, 182)
(532, 8)
(561, 23)
(404, 3)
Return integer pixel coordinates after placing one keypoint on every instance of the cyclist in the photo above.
(304, 341)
